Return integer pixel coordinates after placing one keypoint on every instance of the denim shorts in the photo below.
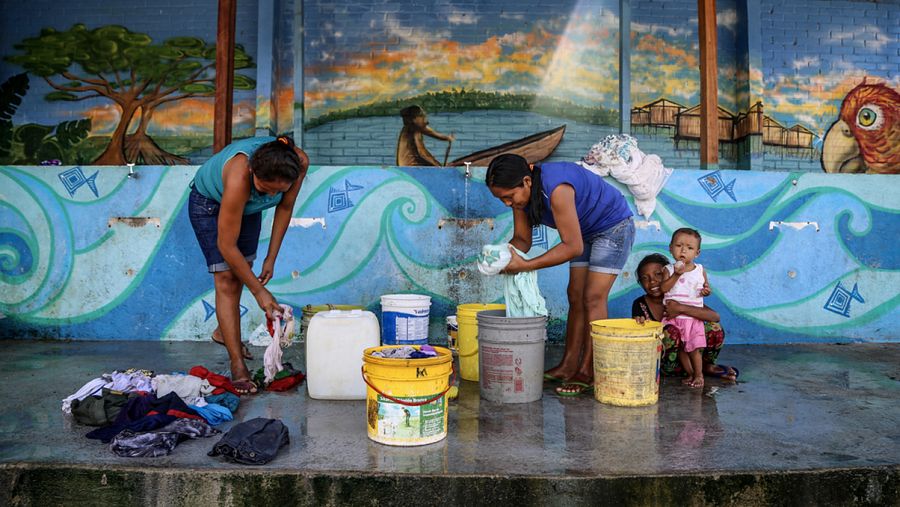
(204, 215)
(607, 251)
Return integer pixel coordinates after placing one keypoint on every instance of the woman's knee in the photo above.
(227, 281)
(595, 299)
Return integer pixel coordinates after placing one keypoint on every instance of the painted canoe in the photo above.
(534, 148)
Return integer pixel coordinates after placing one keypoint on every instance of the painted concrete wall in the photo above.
(338, 73)
(87, 252)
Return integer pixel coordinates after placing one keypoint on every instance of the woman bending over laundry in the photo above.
(228, 194)
(596, 232)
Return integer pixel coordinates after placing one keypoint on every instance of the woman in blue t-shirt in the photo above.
(228, 194)
(596, 232)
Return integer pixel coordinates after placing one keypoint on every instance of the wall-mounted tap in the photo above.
(468, 170)
(131, 173)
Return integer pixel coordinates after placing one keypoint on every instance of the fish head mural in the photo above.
(866, 137)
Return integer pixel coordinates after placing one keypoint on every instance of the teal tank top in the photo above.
(208, 180)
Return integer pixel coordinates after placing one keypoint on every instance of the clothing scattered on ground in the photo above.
(128, 381)
(160, 442)
(406, 352)
(145, 413)
(220, 382)
(619, 156)
(285, 380)
(185, 386)
(99, 410)
(282, 330)
(253, 442)
(521, 292)
(213, 414)
(227, 400)
(152, 417)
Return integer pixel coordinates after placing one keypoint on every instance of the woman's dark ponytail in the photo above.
(277, 160)
(509, 171)
(536, 205)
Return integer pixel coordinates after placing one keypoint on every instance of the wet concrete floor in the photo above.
(797, 407)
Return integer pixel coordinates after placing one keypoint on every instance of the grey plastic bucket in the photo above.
(511, 357)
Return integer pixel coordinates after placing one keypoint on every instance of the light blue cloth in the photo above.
(523, 297)
(521, 292)
(213, 413)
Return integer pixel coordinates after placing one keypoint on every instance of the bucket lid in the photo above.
(417, 298)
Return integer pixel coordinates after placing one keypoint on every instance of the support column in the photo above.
(624, 66)
(299, 103)
(225, 37)
(709, 100)
(266, 112)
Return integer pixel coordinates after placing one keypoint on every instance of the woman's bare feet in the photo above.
(241, 378)
(696, 382)
(560, 373)
(217, 337)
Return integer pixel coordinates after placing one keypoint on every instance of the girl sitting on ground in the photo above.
(650, 274)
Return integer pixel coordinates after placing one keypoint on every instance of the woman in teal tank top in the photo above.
(228, 194)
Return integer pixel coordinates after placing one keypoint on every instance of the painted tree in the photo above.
(127, 68)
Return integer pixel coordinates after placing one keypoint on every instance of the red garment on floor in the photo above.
(286, 383)
(221, 382)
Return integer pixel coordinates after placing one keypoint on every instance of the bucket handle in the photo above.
(410, 403)
(460, 354)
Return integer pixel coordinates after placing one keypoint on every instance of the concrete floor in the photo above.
(801, 407)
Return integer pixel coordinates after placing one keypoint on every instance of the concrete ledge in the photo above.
(49, 484)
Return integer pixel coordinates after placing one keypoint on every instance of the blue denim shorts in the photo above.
(204, 215)
(607, 251)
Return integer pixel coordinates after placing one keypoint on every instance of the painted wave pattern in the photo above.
(392, 230)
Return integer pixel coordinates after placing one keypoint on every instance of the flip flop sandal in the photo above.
(245, 387)
(551, 378)
(245, 352)
(724, 372)
(566, 390)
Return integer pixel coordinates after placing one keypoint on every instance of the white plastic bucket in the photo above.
(404, 319)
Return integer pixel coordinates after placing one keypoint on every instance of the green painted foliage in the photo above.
(470, 100)
(178, 62)
(11, 92)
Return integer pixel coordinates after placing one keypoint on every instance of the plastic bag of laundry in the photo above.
(253, 442)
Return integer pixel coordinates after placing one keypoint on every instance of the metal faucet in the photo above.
(468, 170)
(131, 173)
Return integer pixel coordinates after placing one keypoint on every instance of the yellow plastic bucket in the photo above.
(467, 337)
(406, 399)
(626, 361)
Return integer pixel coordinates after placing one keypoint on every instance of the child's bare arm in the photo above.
(705, 291)
(669, 282)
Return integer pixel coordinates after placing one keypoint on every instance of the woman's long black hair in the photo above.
(508, 171)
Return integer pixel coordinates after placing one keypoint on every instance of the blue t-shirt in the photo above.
(599, 205)
(208, 180)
